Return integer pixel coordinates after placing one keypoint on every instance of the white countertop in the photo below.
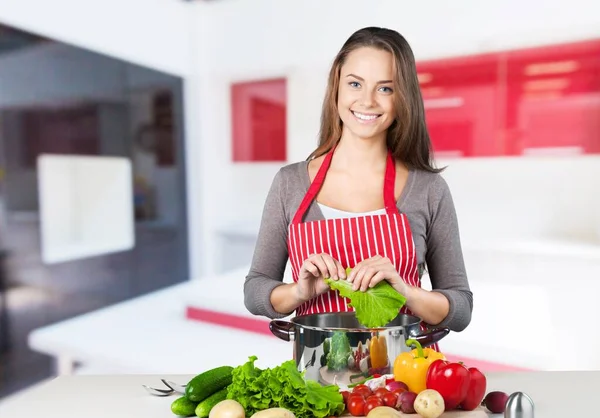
(555, 394)
(150, 334)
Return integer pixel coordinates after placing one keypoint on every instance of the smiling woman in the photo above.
(368, 199)
(366, 101)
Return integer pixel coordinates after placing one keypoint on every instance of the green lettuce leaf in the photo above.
(283, 386)
(323, 401)
(375, 307)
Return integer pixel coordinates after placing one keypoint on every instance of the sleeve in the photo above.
(270, 253)
(444, 257)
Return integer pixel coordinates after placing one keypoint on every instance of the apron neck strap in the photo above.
(388, 186)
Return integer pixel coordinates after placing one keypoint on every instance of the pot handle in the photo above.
(283, 329)
(431, 337)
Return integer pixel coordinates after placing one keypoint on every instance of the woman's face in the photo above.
(365, 94)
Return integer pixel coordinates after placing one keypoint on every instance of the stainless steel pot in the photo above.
(332, 347)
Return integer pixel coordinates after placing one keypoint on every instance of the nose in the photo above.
(367, 98)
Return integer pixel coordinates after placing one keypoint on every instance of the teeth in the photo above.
(365, 117)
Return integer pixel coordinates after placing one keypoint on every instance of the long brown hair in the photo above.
(407, 137)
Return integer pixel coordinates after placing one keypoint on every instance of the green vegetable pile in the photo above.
(284, 387)
(375, 307)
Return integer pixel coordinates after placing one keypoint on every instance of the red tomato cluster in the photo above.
(361, 400)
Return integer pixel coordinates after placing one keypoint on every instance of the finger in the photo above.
(384, 264)
(341, 270)
(331, 266)
(352, 276)
(311, 268)
(334, 268)
(377, 278)
(318, 261)
(371, 272)
(366, 262)
(386, 260)
(359, 275)
(363, 277)
(355, 270)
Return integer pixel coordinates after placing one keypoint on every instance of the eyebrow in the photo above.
(362, 79)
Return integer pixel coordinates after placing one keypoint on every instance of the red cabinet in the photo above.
(553, 98)
(515, 102)
(259, 121)
(461, 98)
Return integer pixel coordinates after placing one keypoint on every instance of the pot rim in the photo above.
(294, 320)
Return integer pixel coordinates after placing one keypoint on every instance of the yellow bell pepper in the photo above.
(378, 352)
(411, 367)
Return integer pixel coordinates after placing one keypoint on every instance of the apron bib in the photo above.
(351, 240)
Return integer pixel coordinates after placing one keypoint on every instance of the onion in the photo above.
(392, 386)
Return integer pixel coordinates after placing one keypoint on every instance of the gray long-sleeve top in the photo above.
(428, 204)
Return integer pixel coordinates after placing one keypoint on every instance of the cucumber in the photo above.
(209, 382)
(204, 407)
(184, 407)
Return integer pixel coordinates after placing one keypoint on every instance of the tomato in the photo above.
(361, 387)
(390, 399)
(356, 405)
(345, 394)
(379, 392)
(362, 390)
(372, 402)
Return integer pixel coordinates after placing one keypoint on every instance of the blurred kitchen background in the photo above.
(138, 141)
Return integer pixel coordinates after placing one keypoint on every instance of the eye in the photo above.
(354, 84)
(387, 89)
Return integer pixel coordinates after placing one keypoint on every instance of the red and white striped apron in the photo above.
(351, 240)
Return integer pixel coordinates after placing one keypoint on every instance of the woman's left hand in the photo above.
(371, 271)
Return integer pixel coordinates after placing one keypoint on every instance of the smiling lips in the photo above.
(365, 117)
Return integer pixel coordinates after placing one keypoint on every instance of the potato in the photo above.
(383, 412)
(274, 413)
(227, 409)
(429, 404)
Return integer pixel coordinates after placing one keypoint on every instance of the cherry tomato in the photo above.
(345, 395)
(390, 399)
(379, 392)
(362, 386)
(356, 405)
(372, 402)
(362, 390)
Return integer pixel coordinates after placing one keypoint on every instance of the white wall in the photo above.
(246, 39)
(153, 33)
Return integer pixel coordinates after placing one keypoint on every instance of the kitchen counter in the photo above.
(556, 395)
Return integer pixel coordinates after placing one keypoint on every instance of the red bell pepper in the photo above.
(476, 392)
(451, 380)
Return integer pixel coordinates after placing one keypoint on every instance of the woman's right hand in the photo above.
(311, 277)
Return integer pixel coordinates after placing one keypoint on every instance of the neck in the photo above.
(366, 153)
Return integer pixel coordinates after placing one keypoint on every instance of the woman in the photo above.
(367, 198)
